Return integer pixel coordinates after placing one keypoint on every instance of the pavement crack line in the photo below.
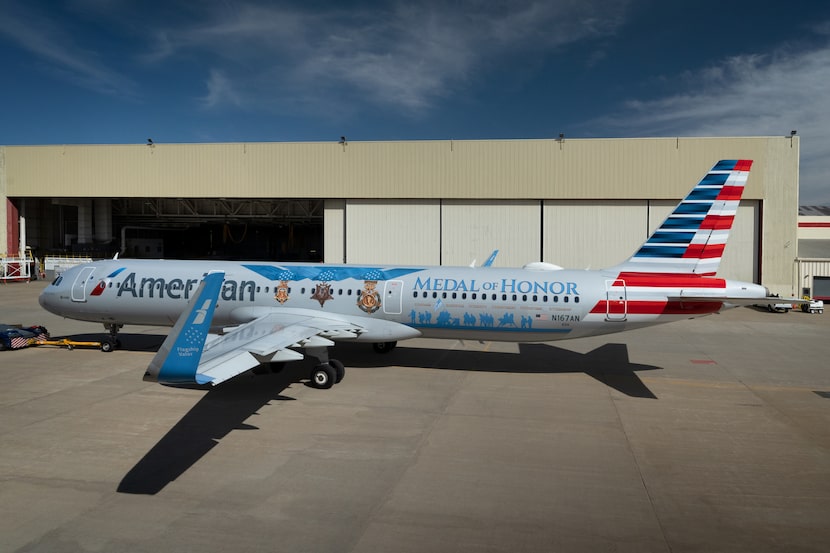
(643, 482)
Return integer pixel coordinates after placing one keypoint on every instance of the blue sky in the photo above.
(118, 71)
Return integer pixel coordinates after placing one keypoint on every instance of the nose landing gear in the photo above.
(112, 342)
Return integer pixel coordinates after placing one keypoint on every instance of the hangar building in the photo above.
(578, 203)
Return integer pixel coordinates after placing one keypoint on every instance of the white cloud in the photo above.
(220, 91)
(62, 55)
(399, 55)
(752, 95)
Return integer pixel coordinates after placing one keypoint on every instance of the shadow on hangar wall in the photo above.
(203, 228)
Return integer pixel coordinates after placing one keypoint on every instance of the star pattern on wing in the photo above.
(194, 337)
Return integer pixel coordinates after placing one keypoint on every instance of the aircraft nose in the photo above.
(49, 299)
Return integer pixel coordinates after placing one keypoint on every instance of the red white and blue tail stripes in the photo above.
(692, 239)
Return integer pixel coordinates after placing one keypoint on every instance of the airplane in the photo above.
(231, 317)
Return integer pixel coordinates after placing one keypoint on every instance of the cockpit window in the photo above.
(57, 281)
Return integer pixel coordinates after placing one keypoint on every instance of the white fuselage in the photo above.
(485, 303)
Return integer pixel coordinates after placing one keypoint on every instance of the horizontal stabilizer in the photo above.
(736, 300)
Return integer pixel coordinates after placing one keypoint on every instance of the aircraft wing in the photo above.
(191, 354)
(267, 338)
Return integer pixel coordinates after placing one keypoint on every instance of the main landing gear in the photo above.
(331, 371)
(328, 373)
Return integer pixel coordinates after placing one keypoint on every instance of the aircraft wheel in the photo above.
(339, 370)
(384, 347)
(323, 377)
(107, 346)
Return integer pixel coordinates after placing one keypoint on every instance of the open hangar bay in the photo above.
(706, 435)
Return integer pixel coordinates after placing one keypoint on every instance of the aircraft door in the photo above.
(79, 287)
(616, 304)
(392, 297)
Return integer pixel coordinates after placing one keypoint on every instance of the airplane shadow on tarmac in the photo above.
(608, 363)
(227, 407)
(220, 411)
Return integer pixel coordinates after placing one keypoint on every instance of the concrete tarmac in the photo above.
(704, 435)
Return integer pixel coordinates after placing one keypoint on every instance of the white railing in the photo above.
(16, 268)
(56, 264)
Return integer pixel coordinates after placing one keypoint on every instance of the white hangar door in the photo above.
(395, 232)
(588, 234)
(472, 229)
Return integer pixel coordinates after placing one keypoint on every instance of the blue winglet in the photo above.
(489, 262)
(178, 358)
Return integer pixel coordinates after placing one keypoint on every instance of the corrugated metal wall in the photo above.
(488, 169)
(805, 271)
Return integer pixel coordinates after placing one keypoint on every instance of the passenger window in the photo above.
(576, 299)
(566, 299)
(555, 299)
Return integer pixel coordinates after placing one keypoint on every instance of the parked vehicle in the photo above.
(815, 306)
(16, 337)
(778, 307)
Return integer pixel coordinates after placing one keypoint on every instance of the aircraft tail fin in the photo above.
(178, 358)
(693, 237)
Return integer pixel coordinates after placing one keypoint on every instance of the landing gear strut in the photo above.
(112, 341)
